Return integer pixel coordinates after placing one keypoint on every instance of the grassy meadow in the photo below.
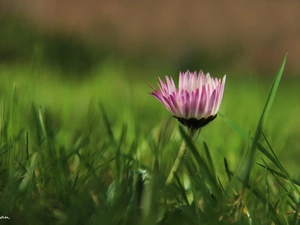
(98, 150)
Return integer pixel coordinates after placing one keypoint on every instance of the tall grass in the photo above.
(99, 151)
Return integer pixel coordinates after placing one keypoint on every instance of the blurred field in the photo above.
(125, 96)
(77, 125)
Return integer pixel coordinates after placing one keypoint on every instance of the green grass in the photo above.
(74, 151)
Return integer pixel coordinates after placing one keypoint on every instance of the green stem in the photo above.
(180, 156)
(179, 159)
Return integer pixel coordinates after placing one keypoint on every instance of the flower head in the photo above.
(197, 100)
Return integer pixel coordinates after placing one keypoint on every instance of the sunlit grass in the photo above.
(71, 151)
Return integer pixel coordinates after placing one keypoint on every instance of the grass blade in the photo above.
(288, 177)
(181, 189)
(207, 175)
(248, 138)
(249, 160)
(209, 159)
(279, 174)
(108, 126)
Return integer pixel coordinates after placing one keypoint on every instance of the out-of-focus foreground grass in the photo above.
(44, 111)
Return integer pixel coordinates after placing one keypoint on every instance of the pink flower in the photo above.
(197, 100)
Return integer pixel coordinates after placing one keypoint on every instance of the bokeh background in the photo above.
(62, 59)
(77, 35)
(69, 55)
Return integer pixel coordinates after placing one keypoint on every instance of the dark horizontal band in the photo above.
(194, 124)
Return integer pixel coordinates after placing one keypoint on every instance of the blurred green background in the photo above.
(68, 56)
(60, 60)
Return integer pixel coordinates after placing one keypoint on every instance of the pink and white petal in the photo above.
(197, 99)
(202, 103)
(162, 86)
(193, 104)
(169, 85)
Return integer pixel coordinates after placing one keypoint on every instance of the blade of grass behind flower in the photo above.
(227, 170)
(267, 195)
(287, 175)
(107, 125)
(205, 172)
(249, 159)
(248, 138)
(209, 159)
(118, 150)
(282, 201)
(112, 139)
(181, 189)
(259, 195)
(279, 174)
(42, 122)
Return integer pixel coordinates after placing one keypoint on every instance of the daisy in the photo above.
(195, 102)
